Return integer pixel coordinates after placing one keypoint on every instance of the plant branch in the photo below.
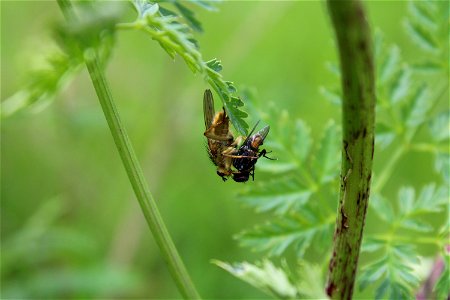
(358, 117)
(133, 169)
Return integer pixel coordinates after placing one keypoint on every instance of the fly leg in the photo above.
(263, 154)
(231, 152)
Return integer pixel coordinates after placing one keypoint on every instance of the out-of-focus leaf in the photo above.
(145, 8)
(372, 273)
(327, 158)
(423, 13)
(95, 25)
(382, 207)
(206, 4)
(427, 66)
(189, 16)
(281, 195)
(390, 64)
(333, 96)
(406, 200)
(302, 141)
(400, 85)
(311, 281)
(439, 126)
(372, 244)
(277, 236)
(86, 282)
(420, 106)
(399, 281)
(265, 276)
(384, 135)
(416, 225)
(442, 165)
(431, 199)
(95, 30)
(421, 36)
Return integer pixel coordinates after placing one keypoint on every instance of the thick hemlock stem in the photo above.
(358, 107)
(134, 171)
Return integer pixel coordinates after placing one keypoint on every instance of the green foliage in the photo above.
(63, 62)
(394, 268)
(307, 281)
(297, 230)
(264, 276)
(297, 189)
(428, 28)
(394, 254)
(176, 39)
(96, 31)
(300, 186)
(34, 247)
(304, 170)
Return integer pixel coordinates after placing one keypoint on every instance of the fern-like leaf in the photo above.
(395, 271)
(264, 275)
(281, 196)
(392, 269)
(296, 230)
(176, 38)
(96, 29)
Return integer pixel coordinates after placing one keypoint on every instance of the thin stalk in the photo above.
(134, 170)
(358, 117)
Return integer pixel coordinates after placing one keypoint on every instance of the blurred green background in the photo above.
(70, 224)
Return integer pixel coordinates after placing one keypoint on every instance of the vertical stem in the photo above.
(358, 106)
(134, 170)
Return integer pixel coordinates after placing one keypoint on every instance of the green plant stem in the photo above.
(133, 169)
(358, 117)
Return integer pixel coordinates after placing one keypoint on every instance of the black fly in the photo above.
(248, 154)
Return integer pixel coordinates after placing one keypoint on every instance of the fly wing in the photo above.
(264, 132)
(250, 134)
(208, 108)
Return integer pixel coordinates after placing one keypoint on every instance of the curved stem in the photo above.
(134, 170)
(358, 107)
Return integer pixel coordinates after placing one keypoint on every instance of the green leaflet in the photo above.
(394, 269)
(176, 38)
(306, 281)
(327, 158)
(297, 231)
(95, 31)
(394, 260)
(421, 36)
(263, 275)
(281, 196)
(439, 127)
